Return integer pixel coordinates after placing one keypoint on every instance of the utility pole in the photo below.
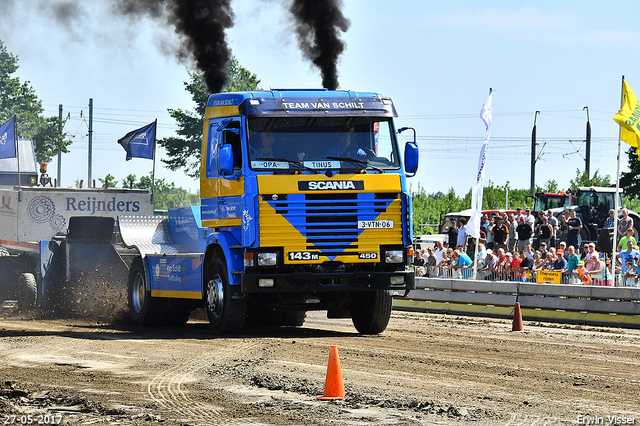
(587, 158)
(60, 153)
(533, 154)
(90, 140)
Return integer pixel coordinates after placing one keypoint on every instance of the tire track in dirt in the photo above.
(63, 347)
(165, 388)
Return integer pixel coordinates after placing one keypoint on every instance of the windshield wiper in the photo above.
(356, 162)
(297, 163)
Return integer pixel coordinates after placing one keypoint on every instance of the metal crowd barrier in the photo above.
(564, 302)
(600, 279)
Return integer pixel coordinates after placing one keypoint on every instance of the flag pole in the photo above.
(15, 143)
(617, 206)
(475, 254)
(153, 173)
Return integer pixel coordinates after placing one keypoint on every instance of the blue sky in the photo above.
(436, 60)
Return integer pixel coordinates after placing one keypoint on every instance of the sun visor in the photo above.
(329, 106)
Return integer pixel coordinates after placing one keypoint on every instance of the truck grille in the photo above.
(328, 223)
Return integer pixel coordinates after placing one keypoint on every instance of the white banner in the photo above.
(473, 227)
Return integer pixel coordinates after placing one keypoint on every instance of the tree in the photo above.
(108, 181)
(429, 209)
(583, 179)
(129, 181)
(19, 100)
(631, 181)
(551, 185)
(184, 150)
(166, 195)
(240, 78)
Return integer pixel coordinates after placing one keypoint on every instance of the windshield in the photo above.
(600, 200)
(349, 142)
(547, 202)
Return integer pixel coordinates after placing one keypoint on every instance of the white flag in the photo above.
(473, 227)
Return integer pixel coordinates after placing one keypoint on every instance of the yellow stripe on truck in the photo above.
(287, 184)
(220, 187)
(221, 111)
(176, 294)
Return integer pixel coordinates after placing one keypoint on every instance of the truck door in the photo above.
(221, 192)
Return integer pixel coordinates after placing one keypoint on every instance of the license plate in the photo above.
(375, 224)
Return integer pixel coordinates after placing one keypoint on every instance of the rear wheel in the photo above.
(27, 292)
(371, 310)
(226, 307)
(143, 309)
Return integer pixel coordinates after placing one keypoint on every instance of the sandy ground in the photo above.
(423, 370)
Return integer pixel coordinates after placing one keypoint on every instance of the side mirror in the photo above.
(225, 160)
(411, 156)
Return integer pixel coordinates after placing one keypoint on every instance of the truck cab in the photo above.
(304, 193)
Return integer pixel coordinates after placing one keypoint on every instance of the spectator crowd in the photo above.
(517, 245)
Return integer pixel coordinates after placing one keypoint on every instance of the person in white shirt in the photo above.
(553, 221)
(513, 236)
(440, 251)
(529, 218)
(463, 235)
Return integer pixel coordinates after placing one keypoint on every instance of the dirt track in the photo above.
(424, 370)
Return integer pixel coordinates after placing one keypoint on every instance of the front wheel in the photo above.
(371, 311)
(226, 307)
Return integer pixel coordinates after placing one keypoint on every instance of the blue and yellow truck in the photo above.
(304, 207)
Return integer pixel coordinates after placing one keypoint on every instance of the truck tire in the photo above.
(371, 310)
(143, 309)
(27, 292)
(259, 316)
(226, 310)
(293, 318)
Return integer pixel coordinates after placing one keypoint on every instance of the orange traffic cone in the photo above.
(517, 319)
(333, 387)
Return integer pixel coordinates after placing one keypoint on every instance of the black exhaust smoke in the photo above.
(201, 25)
(318, 23)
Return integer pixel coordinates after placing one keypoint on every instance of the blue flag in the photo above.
(140, 143)
(8, 139)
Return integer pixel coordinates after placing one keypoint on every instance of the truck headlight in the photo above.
(266, 282)
(396, 280)
(267, 259)
(394, 256)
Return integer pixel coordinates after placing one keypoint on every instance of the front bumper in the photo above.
(309, 282)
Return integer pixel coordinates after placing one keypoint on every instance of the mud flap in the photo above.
(90, 278)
